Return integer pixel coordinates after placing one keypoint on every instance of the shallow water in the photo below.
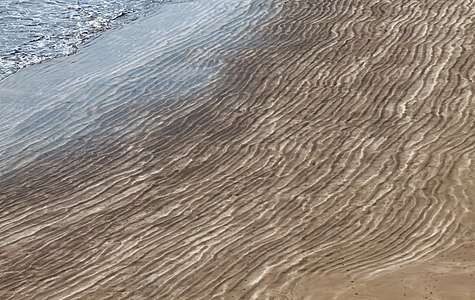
(155, 61)
(32, 31)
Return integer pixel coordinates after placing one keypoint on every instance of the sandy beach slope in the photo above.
(247, 150)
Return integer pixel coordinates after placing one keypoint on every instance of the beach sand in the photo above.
(247, 150)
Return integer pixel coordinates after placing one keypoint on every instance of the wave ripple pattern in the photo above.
(264, 145)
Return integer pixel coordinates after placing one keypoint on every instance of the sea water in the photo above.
(32, 31)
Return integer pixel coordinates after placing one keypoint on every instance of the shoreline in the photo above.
(248, 150)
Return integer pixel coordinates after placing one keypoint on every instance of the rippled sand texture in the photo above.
(252, 150)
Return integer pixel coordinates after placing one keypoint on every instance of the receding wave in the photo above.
(34, 31)
(245, 149)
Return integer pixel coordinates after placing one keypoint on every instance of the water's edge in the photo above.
(33, 32)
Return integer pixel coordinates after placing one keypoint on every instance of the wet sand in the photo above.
(247, 150)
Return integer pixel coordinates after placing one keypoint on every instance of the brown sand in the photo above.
(298, 150)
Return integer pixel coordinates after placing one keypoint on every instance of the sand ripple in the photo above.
(252, 146)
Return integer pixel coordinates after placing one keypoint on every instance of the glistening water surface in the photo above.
(32, 31)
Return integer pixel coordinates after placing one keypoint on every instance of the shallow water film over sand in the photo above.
(32, 31)
(247, 149)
